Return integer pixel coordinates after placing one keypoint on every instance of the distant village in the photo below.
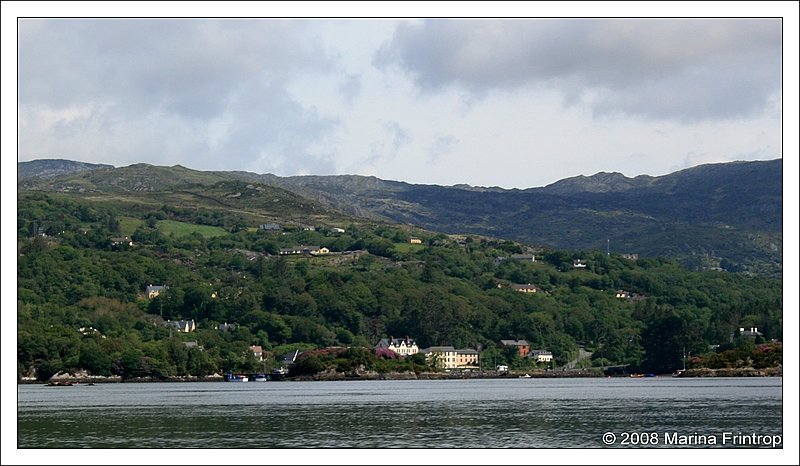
(443, 357)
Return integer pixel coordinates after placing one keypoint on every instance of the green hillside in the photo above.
(82, 303)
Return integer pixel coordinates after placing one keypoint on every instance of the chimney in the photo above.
(741, 329)
(755, 329)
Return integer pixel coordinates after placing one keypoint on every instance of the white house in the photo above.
(541, 355)
(402, 346)
(257, 351)
(183, 326)
(124, 241)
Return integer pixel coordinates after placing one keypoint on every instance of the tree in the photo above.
(307, 364)
(94, 359)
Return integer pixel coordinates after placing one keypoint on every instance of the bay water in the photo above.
(529, 413)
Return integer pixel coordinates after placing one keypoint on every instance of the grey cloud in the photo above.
(187, 67)
(174, 81)
(660, 68)
(350, 87)
(274, 133)
(442, 145)
(400, 136)
(387, 148)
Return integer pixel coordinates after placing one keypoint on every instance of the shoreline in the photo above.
(83, 379)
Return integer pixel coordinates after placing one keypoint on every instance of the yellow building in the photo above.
(447, 357)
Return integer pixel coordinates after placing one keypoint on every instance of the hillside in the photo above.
(85, 260)
(719, 216)
(51, 168)
(190, 195)
(725, 216)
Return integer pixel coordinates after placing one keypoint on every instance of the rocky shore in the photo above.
(372, 375)
(84, 378)
(734, 372)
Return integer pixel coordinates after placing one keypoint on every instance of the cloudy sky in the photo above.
(487, 102)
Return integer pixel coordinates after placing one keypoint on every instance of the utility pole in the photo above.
(608, 246)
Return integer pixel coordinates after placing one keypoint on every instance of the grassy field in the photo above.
(186, 229)
(127, 225)
(408, 247)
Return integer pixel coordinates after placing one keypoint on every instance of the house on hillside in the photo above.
(632, 257)
(579, 263)
(257, 351)
(523, 257)
(87, 331)
(522, 346)
(154, 290)
(121, 241)
(751, 332)
(414, 240)
(622, 294)
(525, 288)
(301, 249)
(183, 326)
(541, 355)
(337, 230)
(269, 227)
(402, 346)
(227, 327)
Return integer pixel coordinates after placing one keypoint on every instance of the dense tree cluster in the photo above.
(81, 302)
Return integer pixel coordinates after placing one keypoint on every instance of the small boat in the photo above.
(235, 378)
(260, 378)
(677, 373)
(526, 376)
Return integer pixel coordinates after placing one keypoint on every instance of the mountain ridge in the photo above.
(706, 216)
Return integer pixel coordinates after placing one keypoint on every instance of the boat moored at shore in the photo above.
(235, 378)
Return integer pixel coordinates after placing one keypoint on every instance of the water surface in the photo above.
(479, 413)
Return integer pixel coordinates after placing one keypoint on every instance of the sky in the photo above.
(387, 89)
(514, 102)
